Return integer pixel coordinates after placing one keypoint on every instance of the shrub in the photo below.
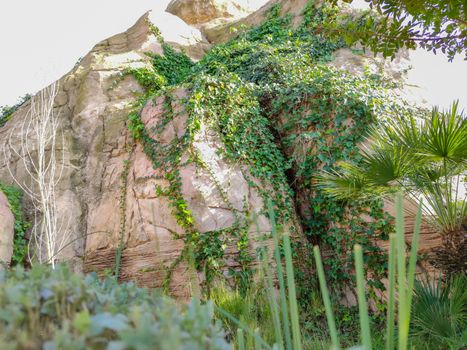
(440, 312)
(20, 243)
(57, 309)
(7, 111)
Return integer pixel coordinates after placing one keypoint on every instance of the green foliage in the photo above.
(148, 78)
(173, 65)
(440, 312)
(229, 106)
(232, 310)
(251, 311)
(7, 111)
(282, 111)
(20, 244)
(426, 158)
(122, 207)
(324, 116)
(56, 309)
(430, 24)
(268, 54)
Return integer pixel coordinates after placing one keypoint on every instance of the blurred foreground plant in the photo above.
(46, 308)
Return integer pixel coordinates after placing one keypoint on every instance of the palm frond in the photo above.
(349, 183)
(439, 309)
(445, 136)
(383, 166)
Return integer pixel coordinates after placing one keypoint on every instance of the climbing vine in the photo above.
(20, 244)
(122, 208)
(285, 114)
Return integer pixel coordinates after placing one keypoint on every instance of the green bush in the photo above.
(440, 312)
(7, 111)
(20, 243)
(57, 309)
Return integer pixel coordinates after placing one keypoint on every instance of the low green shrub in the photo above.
(50, 309)
(7, 111)
(20, 243)
(440, 313)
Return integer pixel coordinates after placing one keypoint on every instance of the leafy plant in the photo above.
(20, 243)
(283, 304)
(426, 158)
(439, 312)
(56, 309)
(267, 93)
(430, 24)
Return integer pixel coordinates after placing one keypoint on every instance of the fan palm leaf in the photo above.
(426, 157)
(445, 136)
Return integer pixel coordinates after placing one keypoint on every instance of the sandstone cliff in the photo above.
(107, 194)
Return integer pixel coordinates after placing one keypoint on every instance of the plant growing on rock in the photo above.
(267, 93)
(20, 249)
(7, 111)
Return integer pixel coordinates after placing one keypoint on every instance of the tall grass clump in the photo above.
(283, 307)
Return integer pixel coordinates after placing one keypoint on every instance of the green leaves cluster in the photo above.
(280, 109)
(7, 111)
(439, 316)
(46, 308)
(430, 24)
(424, 157)
(20, 244)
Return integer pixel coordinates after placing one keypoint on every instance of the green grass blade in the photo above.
(242, 326)
(257, 340)
(273, 305)
(297, 342)
(391, 293)
(326, 299)
(280, 278)
(413, 261)
(362, 306)
(240, 339)
(403, 325)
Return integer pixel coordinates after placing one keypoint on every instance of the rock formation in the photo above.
(200, 12)
(107, 194)
(97, 146)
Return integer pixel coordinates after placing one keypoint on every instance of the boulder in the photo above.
(203, 11)
(107, 195)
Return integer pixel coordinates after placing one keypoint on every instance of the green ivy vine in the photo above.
(283, 112)
(123, 218)
(20, 243)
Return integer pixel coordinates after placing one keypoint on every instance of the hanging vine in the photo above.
(284, 114)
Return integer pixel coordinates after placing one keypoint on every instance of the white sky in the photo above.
(42, 40)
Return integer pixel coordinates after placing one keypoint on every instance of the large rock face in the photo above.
(153, 238)
(93, 133)
(7, 224)
(200, 12)
(107, 194)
